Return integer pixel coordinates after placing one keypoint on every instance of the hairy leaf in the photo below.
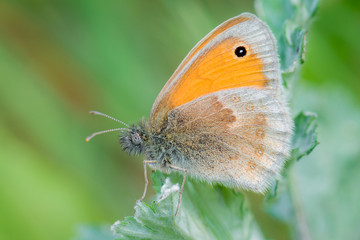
(305, 136)
(206, 212)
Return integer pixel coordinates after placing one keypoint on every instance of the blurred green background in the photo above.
(60, 59)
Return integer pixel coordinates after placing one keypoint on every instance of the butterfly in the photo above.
(222, 117)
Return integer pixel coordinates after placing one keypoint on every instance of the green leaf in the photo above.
(305, 135)
(206, 212)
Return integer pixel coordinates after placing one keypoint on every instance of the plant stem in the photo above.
(269, 226)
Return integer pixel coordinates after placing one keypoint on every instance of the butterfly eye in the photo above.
(135, 138)
(240, 51)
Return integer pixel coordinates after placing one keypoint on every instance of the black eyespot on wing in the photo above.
(240, 51)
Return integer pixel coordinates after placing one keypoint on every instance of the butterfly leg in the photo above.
(182, 185)
(146, 179)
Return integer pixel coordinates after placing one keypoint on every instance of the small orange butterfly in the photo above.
(222, 117)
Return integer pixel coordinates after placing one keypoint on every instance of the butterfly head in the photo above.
(133, 139)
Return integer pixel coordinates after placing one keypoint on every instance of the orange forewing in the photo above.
(217, 69)
(226, 25)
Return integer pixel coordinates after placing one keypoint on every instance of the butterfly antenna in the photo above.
(105, 115)
(88, 138)
(106, 131)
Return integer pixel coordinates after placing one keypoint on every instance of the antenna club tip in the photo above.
(87, 140)
(92, 112)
